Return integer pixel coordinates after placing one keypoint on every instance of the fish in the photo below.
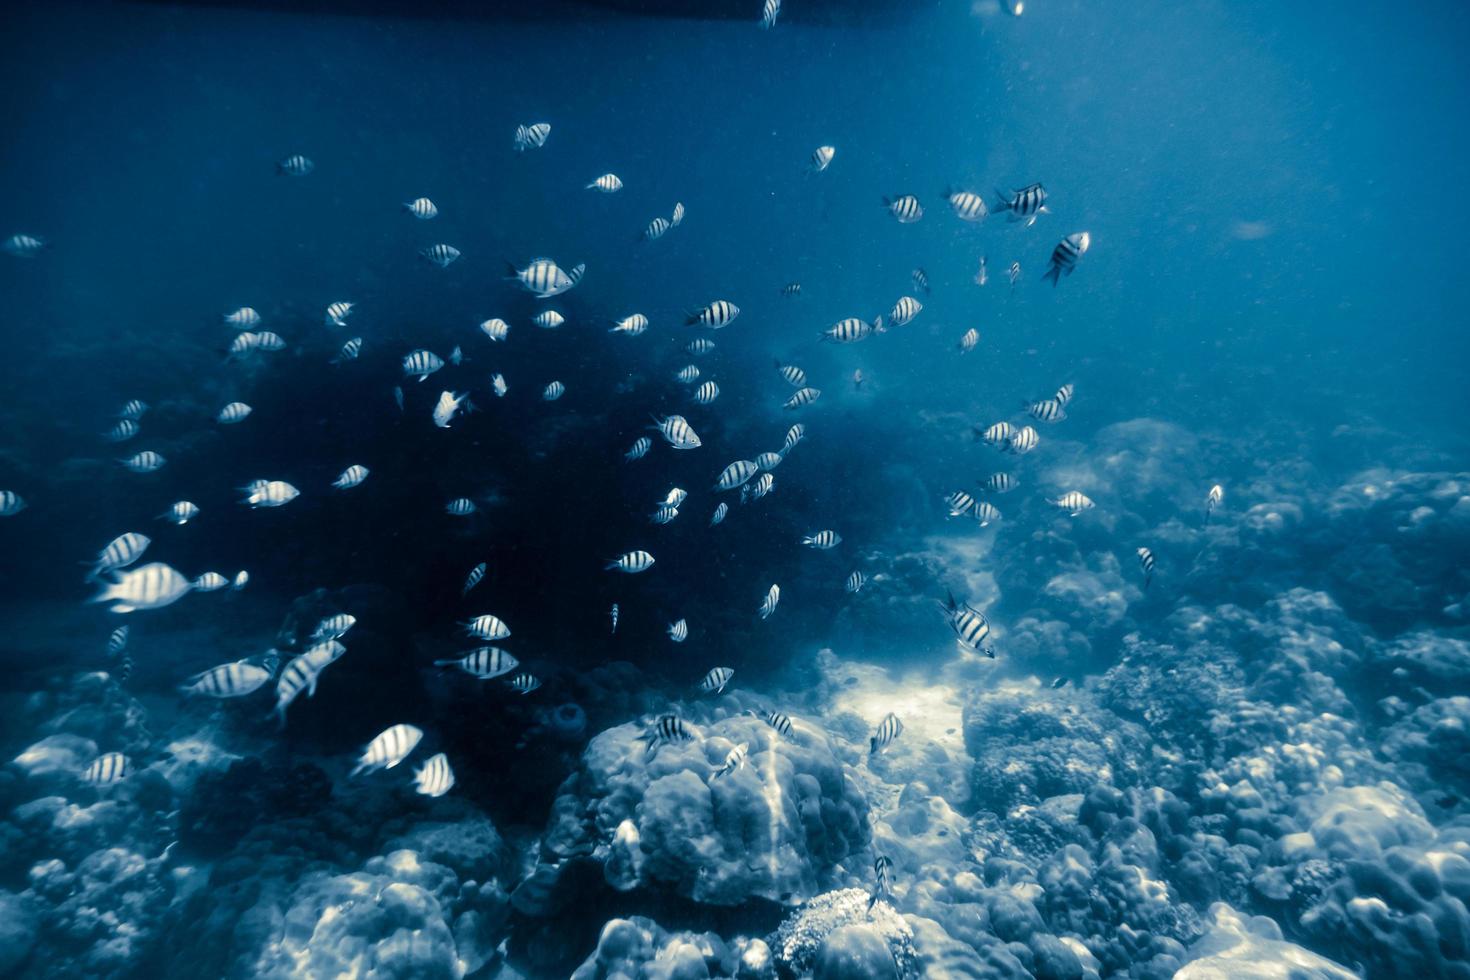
(969, 624)
(147, 461)
(986, 513)
(524, 683)
(769, 461)
(150, 586)
(822, 540)
(460, 507)
(1000, 483)
(11, 503)
(390, 747)
(997, 435)
(210, 582)
(1213, 499)
(906, 208)
(679, 631)
(776, 719)
(706, 393)
(1064, 257)
(441, 255)
(1064, 394)
(233, 413)
(822, 158)
(542, 277)
(302, 672)
(719, 514)
(242, 579)
(496, 329)
(108, 768)
(793, 435)
(1026, 204)
(434, 778)
(456, 356)
(448, 405)
(548, 319)
(497, 384)
(485, 662)
(770, 10)
(614, 614)
(1013, 274)
(757, 488)
(631, 326)
(349, 351)
(656, 229)
(553, 391)
(1058, 683)
(120, 552)
(688, 374)
(606, 184)
(768, 604)
(486, 627)
(855, 583)
(882, 890)
(1146, 562)
(920, 279)
(630, 563)
(295, 165)
(125, 669)
(351, 477)
(791, 289)
(733, 761)
(667, 729)
(851, 330)
(117, 641)
(968, 341)
(959, 503)
(677, 217)
(244, 316)
(25, 246)
(717, 315)
(534, 135)
(736, 474)
(419, 364)
(422, 208)
(794, 375)
(134, 409)
(803, 397)
(982, 276)
(398, 398)
(337, 314)
(247, 342)
(677, 432)
(270, 493)
(714, 682)
(1073, 501)
(888, 730)
(639, 449)
(232, 680)
(967, 205)
(473, 579)
(904, 310)
(1023, 440)
(1046, 410)
(699, 346)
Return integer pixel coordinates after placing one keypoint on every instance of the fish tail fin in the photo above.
(872, 901)
(873, 745)
(361, 766)
(511, 272)
(1054, 274)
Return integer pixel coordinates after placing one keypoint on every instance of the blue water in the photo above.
(1275, 196)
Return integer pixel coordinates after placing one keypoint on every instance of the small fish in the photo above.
(25, 246)
(968, 341)
(770, 10)
(134, 410)
(920, 280)
(498, 385)
(1023, 440)
(855, 582)
(125, 668)
(639, 449)
(389, 748)
(851, 330)
(699, 346)
(677, 432)
(614, 614)
(1026, 204)
(435, 778)
(969, 624)
(108, 768)
(735, 760)
(667, 729)
(857, 379)
(473, 578)
(967, 205)
(117, 641)
(333, 627)
(1074, 502)
(337, 314)
(606, 184)
(714, 682)
(1214, 499)
(888, 730)
(180, 513)
(803, 397)
(793, 435)
(768, 604)
(757, 488)
(542, 278)
(301, 673)
(349, 351)
(631, 563)
(1146, 562)
(959, 503)
(791, 289)
(769, 461)
(719, 514)
(1047, 410)
(233, 413)
(679, 631)
(656, 229)
(906, 208)
(631, 326)
(676, 496)
(152, 586)
(145, 462)
(524, 683)
(441, 255)
(986, 513)
(486, 627)
(736, 474)
(120, 552)
(460, 507)
(1000, 483)
(496, 329)
(351, 477)
(1064, 394)
(295, 165)
(882, 864)
(448, 405)
(232, 680)
(483, 662)
(245, 316)
(1059, 682)
(982, 276)
(210, 582)
(776, 719)
(1013, 274)
(270, 493)
(822, 540)
(548, 319)
(422, 208)
(677, 217)
(553, 391)
(456, 356)
(721, 313)
(1064, 257)
(822, 158)
(398, 398)
(530, 136)
(997, 435)
(419, 364)
(687, 374)
(706, 393)
(242, 579)
(794, 375)
(904, 310)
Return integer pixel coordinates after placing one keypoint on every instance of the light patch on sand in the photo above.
(930, 710)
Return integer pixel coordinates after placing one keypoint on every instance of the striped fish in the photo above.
(180, 513)
(134, 410)
(483, 662)
(1214, 499)
(606, 184)
(473, 579)
(1025, 204)
(614, 614)
(968, 340)
(969, 624)
(351, 477)
(906, 208)
(639, 449)
(389, 748)
(855, 582)
(460, 507)
(497, 385)
(667, 729)
(883, 890)
(769, 461)
(679, 631)
(997, 435)
(120, 552)
(677, 432)
(270, 493)
(124, 430)
(719, 514)
(245, 316)
(422, 208)
(108, 768)
(757, 488)
(210, 582)
(986, 513)
(1013, 274)
(1000, 483)
(1064, 394)
(295, 165)
(25, 246)
(921, 280)
(349, 351)
(699, 346)
(232, 680)
(982, 276)
(706, 393)
(851, 330)
(486, 627)
(441, 255)
(524, 682)
(435, 778)
(1064, 257)
(720, 313)
(1074, 502)
(145, 462)
(337, 314)
(301, 674)
(553, 391)
(242, 579)
(794, 375)
(733, 761)
(677, 217)
(125, 668)
(904, 310)
(548, 319)
(714, 682)
(959, 503)
(117, 641)
(1146, 562)
(802, 398)
(967, 205)
(793, 435)
(1023, 440)
(791, 289)
(822, 540)
(768, 604)
(496, 329)
(656, 229)
(421, 363)
(1047, 410)
(233, 413)
(888, 730)
(736, 474)
(687, 374)
(776, 719)
(822, 158)
(770, 10)
(530, 136)
(542, 278)
(152, 586)
(333, 627)
(631, 563)
(631, 326)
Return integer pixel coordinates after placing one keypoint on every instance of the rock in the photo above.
(855, 952)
